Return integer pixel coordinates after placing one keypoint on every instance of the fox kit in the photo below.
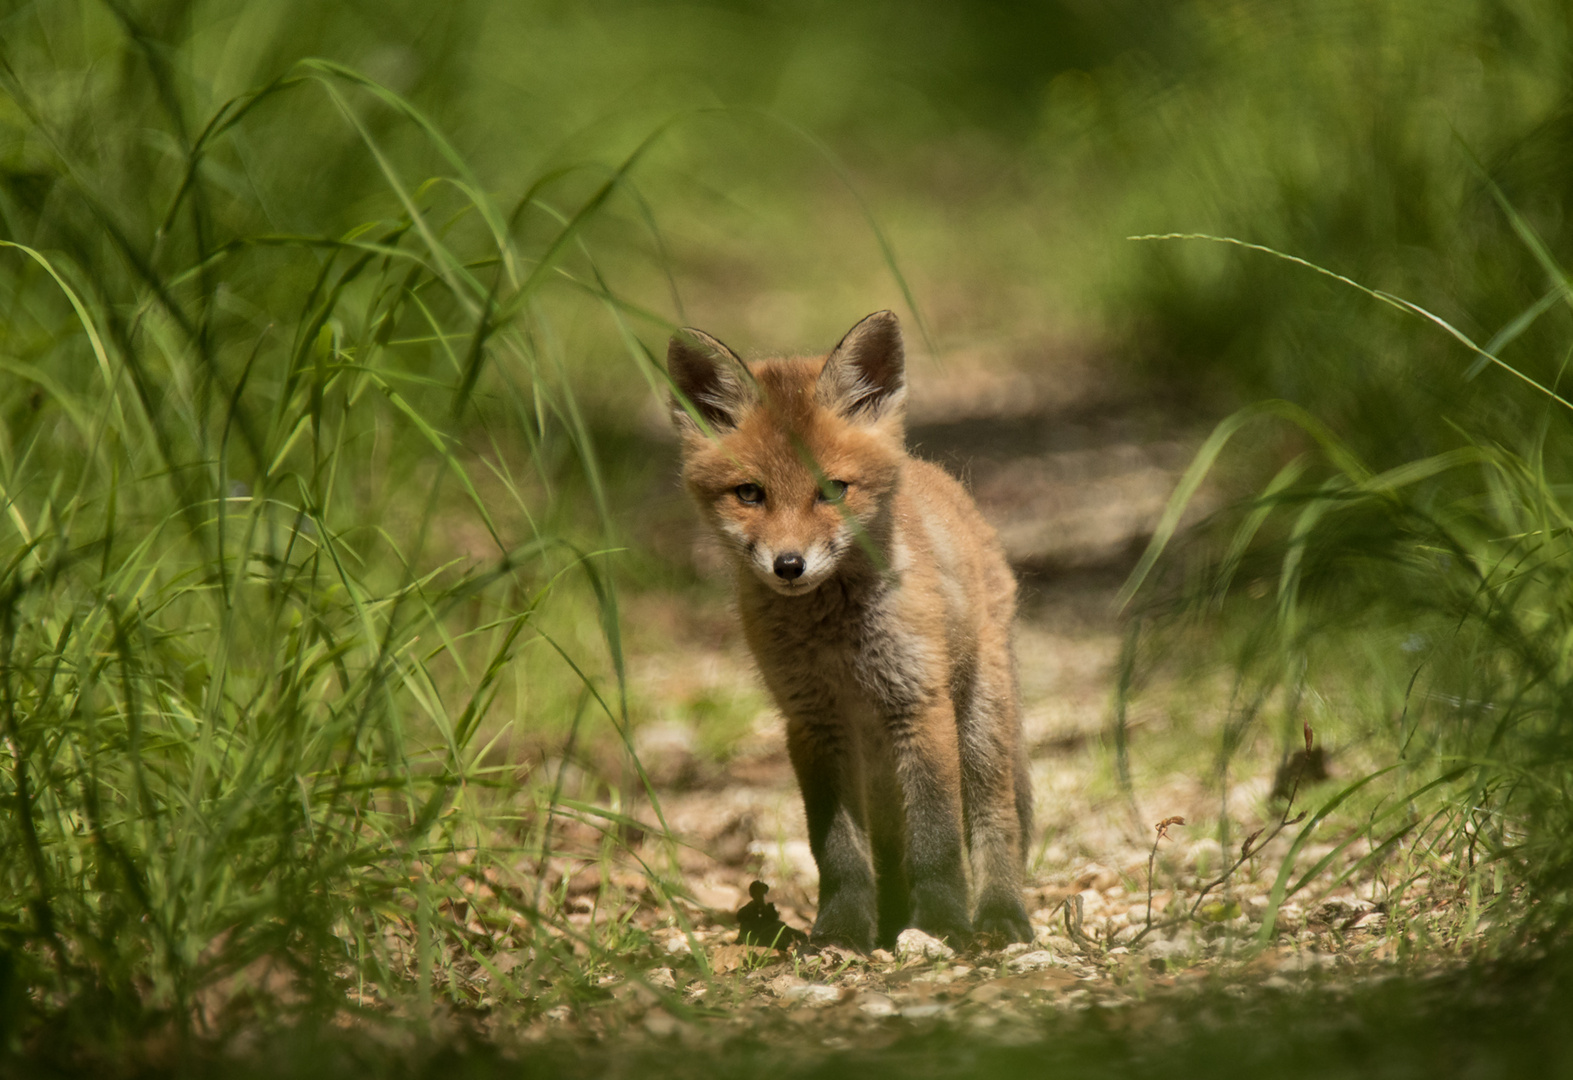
(878, 606)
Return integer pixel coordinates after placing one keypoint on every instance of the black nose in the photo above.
(790, 567)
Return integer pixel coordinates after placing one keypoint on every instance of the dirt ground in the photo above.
(1074, 477)
(1089, 886)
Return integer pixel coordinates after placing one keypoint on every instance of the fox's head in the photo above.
(794, 461)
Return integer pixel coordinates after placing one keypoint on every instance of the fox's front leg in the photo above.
(929, 769)
(829, 774)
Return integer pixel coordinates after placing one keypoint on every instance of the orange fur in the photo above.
(878, 605)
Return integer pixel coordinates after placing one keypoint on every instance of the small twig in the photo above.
(1073, 907)
(1283, 823)
(1163, 831)
(1245, 853)
(1246, 850)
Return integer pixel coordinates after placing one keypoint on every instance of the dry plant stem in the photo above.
(1152, 857)
(1162, 829)
(1246, 849)
(1245, 854)
(1072, 910)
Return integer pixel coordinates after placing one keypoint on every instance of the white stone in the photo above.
(815, 994)
(877, 1005)
(785, 983)
(914, 944)
(1033, 961)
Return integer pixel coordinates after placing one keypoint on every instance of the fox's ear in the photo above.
(711, 377)
(865, 377)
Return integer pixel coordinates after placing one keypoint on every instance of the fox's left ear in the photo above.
(865, 377)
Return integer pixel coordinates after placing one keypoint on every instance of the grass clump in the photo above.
(1440, 584)
(283, 565)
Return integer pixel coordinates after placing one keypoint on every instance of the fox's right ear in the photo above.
(711, 377)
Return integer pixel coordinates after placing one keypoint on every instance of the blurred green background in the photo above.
(1006, 151)
(329, 342)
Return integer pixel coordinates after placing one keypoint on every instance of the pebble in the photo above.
(815, 994)
(876, 1005)
(914, 944)
(678, 946)
(1033, 961)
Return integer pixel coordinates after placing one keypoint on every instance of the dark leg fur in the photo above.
(887, 830)
(931, 793)
(999, 815)
(839, 840)
(893, 888)
(1024, 803)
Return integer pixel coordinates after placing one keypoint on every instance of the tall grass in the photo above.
(1431, 600)
(284, 557)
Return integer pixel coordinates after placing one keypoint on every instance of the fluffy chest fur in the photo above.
(843, 651)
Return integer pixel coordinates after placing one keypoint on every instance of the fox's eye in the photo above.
(834, 491)
(750, 493)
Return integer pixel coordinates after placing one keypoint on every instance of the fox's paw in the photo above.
(845, 923)
(1004, 918)
(943, 913)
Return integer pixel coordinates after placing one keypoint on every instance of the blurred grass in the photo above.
(1489, 1020)
(325, 388)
